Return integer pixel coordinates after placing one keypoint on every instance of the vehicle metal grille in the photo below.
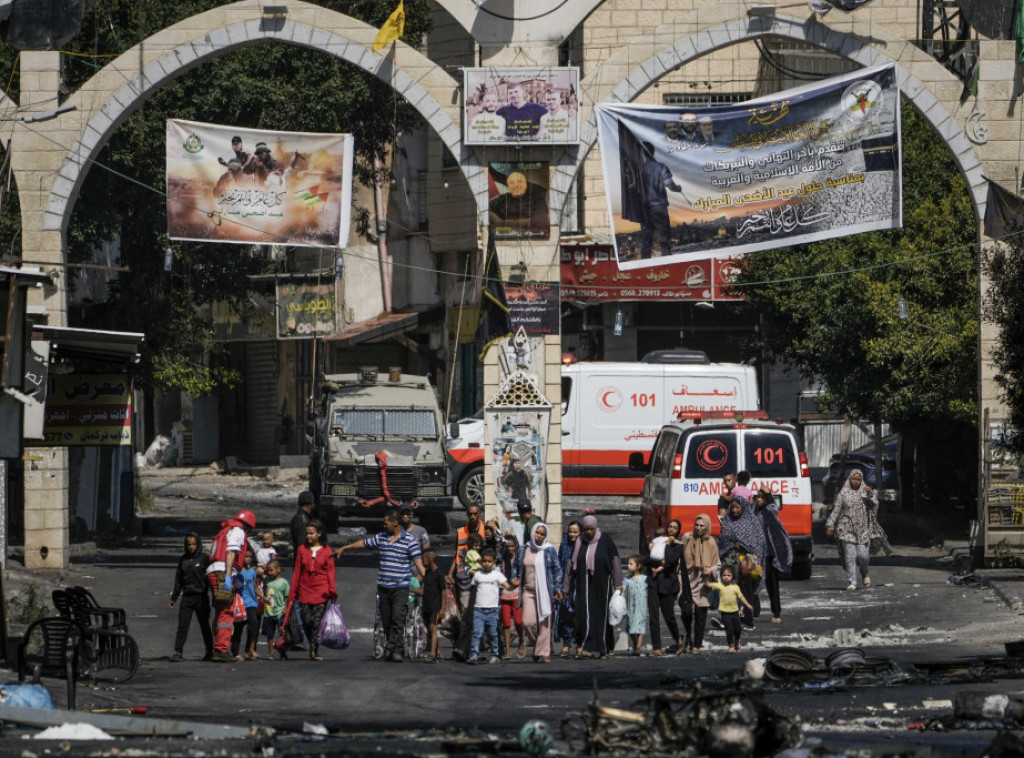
(401, 483)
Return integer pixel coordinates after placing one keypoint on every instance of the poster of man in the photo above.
(518, 205)
(517, 461)
(521, 105)
(804, 165)
(248, 186)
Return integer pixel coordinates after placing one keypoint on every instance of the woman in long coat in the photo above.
(743, 534)
(595, 572)
(540, 586)
(698, 569)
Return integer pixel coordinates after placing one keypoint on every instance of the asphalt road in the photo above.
(912, 615)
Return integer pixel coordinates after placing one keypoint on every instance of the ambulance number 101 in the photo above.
(642, 399)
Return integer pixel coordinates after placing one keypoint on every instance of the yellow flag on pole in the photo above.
(393, 28)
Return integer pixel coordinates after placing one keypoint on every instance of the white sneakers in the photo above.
(851, 588)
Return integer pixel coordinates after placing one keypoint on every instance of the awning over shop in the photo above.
(69, 342)
(386, 326)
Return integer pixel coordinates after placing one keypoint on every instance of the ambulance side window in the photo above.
(566, 392)
(663, 454)
(710, 455)
(770, 454)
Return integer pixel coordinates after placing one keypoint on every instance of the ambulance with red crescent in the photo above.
(611, 410)
(691, 455)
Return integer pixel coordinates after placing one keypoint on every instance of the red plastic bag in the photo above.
(238, 608)
(448, 618)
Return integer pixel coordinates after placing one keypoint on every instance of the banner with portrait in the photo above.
(512, 105)
(808, 164)
(249, 186)
(518, 205)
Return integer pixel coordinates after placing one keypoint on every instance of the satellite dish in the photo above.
(44, 24)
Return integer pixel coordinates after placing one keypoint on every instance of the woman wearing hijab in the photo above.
(854, 523)
(540, 585)
(565, 613)
(743, 534)
(699, 568)
(313, 583)
(663, 589)
(778, 557)
(595, 572)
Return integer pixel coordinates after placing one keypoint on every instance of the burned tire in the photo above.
(471, 487)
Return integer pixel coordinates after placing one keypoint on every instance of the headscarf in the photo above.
(590, 543)
(540, 572)
(701, 552)
(745, 529)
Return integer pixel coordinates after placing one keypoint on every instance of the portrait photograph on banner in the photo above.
(518, 206)
(249, 186)
(511, 105)
(811, 163)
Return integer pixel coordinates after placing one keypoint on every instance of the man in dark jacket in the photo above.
(191, 586)
(303, 515)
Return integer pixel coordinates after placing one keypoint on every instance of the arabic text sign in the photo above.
(504, 105)
(591, 275)
(246, 186)
(534, 306)
(305, 310)
(89, 409)
(808, 164)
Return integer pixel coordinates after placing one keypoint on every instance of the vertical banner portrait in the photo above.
(248, 186)
(518, 207)
(518, 444)
(808, 164)
(512, 105)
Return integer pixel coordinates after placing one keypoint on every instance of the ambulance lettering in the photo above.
(677, 409)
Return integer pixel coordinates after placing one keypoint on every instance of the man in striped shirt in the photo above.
(398, 552)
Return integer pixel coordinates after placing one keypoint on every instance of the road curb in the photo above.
(1006, 586)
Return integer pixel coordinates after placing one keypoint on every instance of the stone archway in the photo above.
(108, 98)
(918, 74)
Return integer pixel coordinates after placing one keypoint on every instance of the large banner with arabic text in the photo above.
(807, 164)
(249, 186)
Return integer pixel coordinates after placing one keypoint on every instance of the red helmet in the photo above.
(248, 518)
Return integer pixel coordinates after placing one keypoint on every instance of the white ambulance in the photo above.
(610, 410)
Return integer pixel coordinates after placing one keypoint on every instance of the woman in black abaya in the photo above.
(595, 572)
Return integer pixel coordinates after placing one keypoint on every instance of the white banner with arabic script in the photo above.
(250, 186)
(808, 164)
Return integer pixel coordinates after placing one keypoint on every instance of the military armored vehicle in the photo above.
(378, 442)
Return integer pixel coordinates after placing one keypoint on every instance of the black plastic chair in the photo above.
(102, 649)
(50, 648)
(113, 618)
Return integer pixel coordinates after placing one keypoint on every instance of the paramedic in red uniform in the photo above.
(225, 556)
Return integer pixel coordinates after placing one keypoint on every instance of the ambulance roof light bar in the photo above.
(738, 416)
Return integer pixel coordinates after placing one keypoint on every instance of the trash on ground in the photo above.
(25, 696)
(72, 732)
(710, 720)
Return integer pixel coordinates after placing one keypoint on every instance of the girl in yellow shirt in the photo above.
(730, 598)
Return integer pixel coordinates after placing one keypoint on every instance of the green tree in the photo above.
(269, 86)
(1004, 307)
(831, 311)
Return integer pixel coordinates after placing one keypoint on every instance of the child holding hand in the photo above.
(730, 597)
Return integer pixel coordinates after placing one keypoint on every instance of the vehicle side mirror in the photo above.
(636, 463)
(453, 430)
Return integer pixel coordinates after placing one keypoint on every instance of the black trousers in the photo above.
(733, 628)
(750, 592)
(198, 606)
(394, 606)
(657, 231)
(465, 638)
(771, 586)
(695, 620)
(664, 606)
(251, 625)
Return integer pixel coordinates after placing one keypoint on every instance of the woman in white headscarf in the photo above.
(540, 584)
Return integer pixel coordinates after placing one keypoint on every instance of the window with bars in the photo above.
(696, 100)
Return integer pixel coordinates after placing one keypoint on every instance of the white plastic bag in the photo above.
(617, 608)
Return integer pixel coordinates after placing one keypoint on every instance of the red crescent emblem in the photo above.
(712, 455)
(609, 399)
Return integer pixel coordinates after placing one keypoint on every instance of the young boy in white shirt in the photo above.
(489, 582)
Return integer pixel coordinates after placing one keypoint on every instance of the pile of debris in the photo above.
(705, 720)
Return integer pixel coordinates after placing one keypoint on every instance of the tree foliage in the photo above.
(831, 309)
(268, 86)
(1004, 307)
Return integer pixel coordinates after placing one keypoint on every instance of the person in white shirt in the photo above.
(487, 125)
(488, 582)
(557, 125)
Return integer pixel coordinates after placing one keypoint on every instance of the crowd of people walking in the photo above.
(574, 594)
